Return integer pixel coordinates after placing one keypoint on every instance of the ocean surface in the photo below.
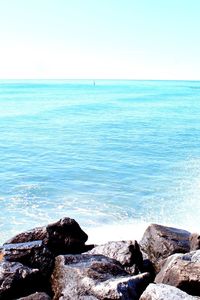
(117, 153)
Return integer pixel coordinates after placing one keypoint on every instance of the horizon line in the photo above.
(95, 79)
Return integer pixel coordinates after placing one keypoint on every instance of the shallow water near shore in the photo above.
(109, 154)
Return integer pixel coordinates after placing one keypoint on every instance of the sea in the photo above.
(115, 155)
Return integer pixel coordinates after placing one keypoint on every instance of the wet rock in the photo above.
(159, 242)
(94, 277)
(182, 271)
(36, 296)
(62, 237)
(32, 254)
(194, 241)
(16, 280)
(126, 252)
(165, 292)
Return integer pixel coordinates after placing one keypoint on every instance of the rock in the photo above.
(66, 236)
(194, 241)
(182, 271)
(149, 268)
(35, 234)
(36, 296)
(133, 288)
(159, 242)
(94, 277)
(16, 280)
(62, 237)
(165, 292)
(126, 252)
(32, 254)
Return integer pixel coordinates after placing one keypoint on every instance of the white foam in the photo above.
(133, 230)
(116, 232)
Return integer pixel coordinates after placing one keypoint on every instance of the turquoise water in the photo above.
(116, 152)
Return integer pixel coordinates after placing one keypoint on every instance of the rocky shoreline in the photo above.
(55, 263)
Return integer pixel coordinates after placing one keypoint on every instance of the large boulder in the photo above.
(16, 280)
(32, 254)
(36, 296)
(62, 237)
(94, 277)
(126, 252)
(165, 292)
(159, 242)
(194, 241)
(66, 236)
(182, 271)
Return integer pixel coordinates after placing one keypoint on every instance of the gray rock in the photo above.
(194, 241)
(159, 242)
(94, 277)
(165, 292)
(36, 296)
(126, 252)
(182, 271)
(16, 280)
(32, 254)
(62, 237)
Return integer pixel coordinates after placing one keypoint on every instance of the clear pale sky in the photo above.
(125, 39)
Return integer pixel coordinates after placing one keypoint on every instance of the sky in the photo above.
(100, 39)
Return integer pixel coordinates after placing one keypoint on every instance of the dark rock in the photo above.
(149, 268)
(165, 292)
(66, 236)
(159, 242)
(36, 296)
(16, 280)
(126, 252)
(194, 241)
(32, 254)
(62, 237)
(182, 271)
(94, 277)
(134, 287)
(86, 248)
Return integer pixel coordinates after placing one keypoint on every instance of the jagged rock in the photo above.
(16, 280)
(35, 234)
(182, 271)
(126, 252)
(94, 277)
(165, 292)
(36, 296)
(194, 241)
(62, 237)
(32, 254)
(159, 242)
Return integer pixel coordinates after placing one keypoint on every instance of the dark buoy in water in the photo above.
(94, 83)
